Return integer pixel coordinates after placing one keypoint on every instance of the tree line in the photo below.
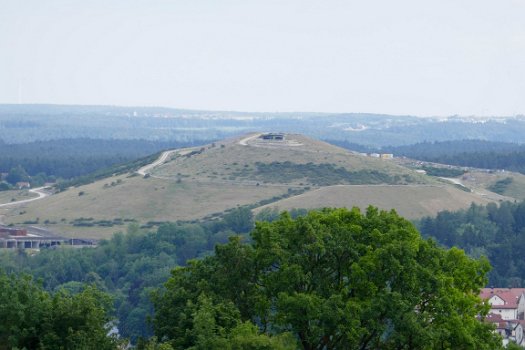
(68, 158)
(129, 265)
(468, 153)
(497, 232)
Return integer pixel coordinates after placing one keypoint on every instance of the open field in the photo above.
(122, 197)
(479, 180)
(411, 202)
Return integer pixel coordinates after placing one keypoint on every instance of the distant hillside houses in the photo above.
(507, 312)
(378, 155)
(23, 184)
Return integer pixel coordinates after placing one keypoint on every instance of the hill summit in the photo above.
(278, 159)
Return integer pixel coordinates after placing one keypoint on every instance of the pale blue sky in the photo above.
(432, 57)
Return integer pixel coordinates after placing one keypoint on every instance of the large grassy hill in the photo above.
(203, 182)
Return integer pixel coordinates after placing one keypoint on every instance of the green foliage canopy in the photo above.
(32, 318)
(494, 231)
(333, 279)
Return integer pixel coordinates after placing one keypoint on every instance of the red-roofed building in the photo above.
(510, 330)
(500, 324)
(507, 302)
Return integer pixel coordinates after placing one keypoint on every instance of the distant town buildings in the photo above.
(386, 156)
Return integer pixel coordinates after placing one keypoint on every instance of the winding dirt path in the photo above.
(40, 191)
(163, 157)
(244, 141)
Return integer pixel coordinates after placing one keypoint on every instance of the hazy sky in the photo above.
(432, 57)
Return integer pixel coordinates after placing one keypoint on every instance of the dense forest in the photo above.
(325, 280)
(497, 232)
(68, 158)
(469, 153)
(129, 265)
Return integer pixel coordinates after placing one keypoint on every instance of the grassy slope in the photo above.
(210, 182)
(143, 199)
(483, 180)
(409, 201)
(224, 164)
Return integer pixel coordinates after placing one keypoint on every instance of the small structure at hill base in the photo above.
(19, 238)
(22, 185)
(9, 231)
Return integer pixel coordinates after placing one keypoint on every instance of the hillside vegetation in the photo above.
(410, 201)
(68, 158)
(497, 232)
(304, 162)
(331, 279)
(468, 153)
(203, 182)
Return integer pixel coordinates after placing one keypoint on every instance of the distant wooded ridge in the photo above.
(68, 158)
(469, 153)
(26, 123)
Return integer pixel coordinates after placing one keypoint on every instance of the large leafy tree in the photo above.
(31, 318)
(334, 279)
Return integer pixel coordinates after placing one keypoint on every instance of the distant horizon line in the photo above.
(36, 104)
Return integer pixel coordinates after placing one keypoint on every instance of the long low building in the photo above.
(31, 242)
(19, 238)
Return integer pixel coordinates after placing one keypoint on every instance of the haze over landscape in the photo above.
(243, 174)
(403, 57)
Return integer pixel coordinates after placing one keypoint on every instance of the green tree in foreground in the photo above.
(334, 279)
(31, 318)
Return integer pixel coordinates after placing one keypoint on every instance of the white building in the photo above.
(507, 312)
(507, 302)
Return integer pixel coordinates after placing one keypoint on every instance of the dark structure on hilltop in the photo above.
(273, 136)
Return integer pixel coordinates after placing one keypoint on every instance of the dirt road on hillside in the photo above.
(162, 159)
(40, 191)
